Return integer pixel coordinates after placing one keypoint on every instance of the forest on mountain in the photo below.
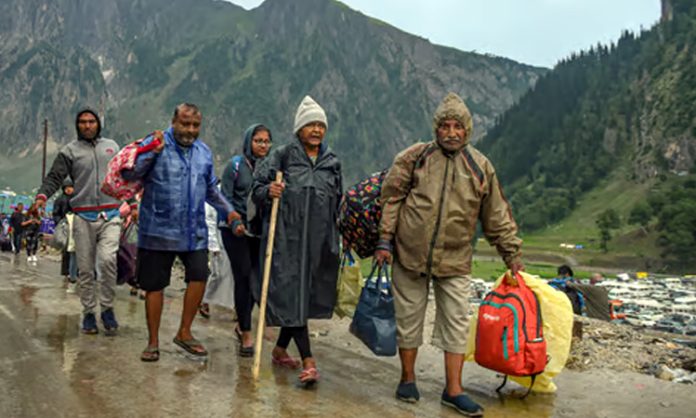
(624, 108)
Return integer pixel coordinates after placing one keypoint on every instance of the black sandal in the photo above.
(150, 354)
(190, 346)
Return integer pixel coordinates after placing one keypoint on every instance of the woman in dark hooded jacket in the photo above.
(241, 239)
(305, 261)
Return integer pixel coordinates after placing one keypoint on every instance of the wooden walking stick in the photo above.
(266, 279)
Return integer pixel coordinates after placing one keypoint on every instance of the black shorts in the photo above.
(154, 267)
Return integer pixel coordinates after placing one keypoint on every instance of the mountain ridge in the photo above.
(137, 59)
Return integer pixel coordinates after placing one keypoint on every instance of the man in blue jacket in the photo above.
(178, 179)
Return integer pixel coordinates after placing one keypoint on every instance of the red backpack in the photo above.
(509, 334)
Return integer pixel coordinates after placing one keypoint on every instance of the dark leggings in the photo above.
(243, 253)
(301, 337)
(32, 239)
(65, 264)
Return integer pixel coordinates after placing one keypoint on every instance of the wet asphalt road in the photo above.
(49, 369)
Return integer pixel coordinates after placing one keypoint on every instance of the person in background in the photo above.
(31, 225)
(562, 283)
(72, 257)
(241, 240)
(17, 229)
(61, 207)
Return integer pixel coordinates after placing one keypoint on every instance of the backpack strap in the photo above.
(530, 386)
(529, 389)
(236, 162)
(427, 150)
(499, 388)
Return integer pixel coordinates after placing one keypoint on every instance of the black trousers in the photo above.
(301, 337)
(65, 264)
(17, 240)
(243, 253)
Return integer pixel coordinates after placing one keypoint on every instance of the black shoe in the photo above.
(462, 404)
(407, 392)
(109, 320)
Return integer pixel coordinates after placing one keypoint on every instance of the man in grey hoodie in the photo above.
(97, 225)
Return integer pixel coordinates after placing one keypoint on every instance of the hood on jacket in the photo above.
(96, 115)
(248, 134)
(453, 107)
(68, 183)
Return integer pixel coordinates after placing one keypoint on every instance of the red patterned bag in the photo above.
(114, 184)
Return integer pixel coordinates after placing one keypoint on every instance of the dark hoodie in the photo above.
(61, 206)
(85, 161)
(238, 176)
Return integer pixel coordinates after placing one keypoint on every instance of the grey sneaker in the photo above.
(72, 288)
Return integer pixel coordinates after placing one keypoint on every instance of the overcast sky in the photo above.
(538, 32)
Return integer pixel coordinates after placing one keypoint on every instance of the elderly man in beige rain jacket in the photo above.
(432, 198)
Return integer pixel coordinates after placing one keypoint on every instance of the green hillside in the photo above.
(608, 129)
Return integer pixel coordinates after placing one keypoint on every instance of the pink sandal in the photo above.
(287, 362)
(309, 376)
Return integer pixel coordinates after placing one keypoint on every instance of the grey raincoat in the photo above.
(306, 252)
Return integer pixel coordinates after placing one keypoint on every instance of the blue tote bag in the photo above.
(374, 322)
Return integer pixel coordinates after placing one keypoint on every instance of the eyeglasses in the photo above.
(262, 142)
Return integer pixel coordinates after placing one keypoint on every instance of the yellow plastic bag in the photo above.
(557, 317)
(350, 282)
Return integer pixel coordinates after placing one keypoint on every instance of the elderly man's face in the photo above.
(312, 134)
(187, 126)
(451, 134)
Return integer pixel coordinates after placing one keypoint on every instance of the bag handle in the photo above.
(347, 256)
(384, 268)
(517, 280)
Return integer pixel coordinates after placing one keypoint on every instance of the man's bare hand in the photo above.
(159, 136)
(382, 256)
(516, 268)
(275, 190)
(233, 216)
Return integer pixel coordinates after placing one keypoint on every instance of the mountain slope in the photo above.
(623, 110)
(139, 58)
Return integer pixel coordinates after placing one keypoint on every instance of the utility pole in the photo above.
(45, 144)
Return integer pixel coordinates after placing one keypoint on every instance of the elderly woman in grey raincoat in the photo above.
(306, 252)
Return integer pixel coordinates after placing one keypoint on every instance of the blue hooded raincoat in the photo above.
(177, 183)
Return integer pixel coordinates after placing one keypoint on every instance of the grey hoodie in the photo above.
(85, 161)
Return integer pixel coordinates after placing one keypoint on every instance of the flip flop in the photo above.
(150, 354)
(287, 362)
(190, 345)
(204, 311)
(309, 376)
